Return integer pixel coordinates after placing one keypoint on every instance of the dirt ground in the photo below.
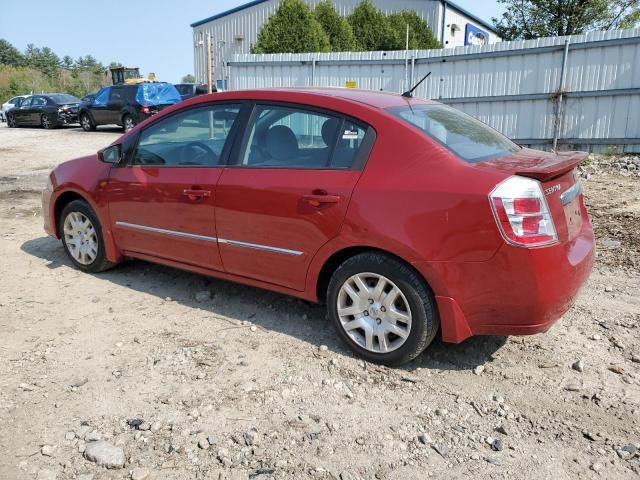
(236, 386)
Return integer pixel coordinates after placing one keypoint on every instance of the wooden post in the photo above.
(209, 65)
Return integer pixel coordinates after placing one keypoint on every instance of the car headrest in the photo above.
(282, 143)
(329, 131)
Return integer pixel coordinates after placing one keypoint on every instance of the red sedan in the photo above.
(405, 216)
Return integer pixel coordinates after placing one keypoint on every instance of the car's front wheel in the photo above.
(382, 309)
(81, 234)
(86, 123)
(11, 121)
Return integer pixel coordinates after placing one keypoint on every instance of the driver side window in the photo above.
(192, 138)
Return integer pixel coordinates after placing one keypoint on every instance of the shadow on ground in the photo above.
(273, 311)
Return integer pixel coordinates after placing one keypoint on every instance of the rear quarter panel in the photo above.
(417, 199)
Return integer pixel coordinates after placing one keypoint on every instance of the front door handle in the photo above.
(196, 194)
(319, 200)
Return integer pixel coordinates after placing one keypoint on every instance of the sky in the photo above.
(153, 34)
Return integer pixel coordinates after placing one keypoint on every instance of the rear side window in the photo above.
(194, 137)
(468, 138)
(39, 101)
(153, 94)
(290, 137)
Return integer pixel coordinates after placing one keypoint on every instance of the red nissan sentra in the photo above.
(403, 215)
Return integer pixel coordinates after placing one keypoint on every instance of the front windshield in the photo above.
(64, 98)
(153, 94)
(468, 138)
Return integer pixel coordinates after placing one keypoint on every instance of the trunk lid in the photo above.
(542, 166)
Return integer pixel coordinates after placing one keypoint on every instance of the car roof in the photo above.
(371, 98)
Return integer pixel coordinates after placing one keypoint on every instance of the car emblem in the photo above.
(550, 190)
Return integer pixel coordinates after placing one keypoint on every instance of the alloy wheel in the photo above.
(128, 123)
(80, 238)
(374, 312)
(11, 121)
(46, 123)
(86, 122)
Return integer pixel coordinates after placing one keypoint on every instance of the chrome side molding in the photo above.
(256, 246)
(235, 243)
(174, 233)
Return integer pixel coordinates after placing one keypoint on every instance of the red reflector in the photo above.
(526, 205)
(531, 225)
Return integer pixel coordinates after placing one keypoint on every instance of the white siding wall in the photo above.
(457, 38)
(511, 86)
(246, 23)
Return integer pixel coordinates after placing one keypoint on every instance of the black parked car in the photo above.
(126, 105)
(190, 90)
(48, 110)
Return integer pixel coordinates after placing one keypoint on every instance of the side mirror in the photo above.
(111, 154)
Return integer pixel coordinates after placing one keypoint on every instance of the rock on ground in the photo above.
(104, 454)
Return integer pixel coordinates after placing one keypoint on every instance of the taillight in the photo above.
(522, 213)
(144, 109)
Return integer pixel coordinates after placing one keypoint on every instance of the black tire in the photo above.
(128, 122)
(11, 121)
(46, 122)
(424, 322)
(100, 262)
(87, 123)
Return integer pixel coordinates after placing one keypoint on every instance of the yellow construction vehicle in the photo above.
(129, 76)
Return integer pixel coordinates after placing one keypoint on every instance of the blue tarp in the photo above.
(153, 94)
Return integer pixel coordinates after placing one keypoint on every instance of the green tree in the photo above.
(292, 28)
(42, 59)
(371, 28)
(188, 79)
(528, 19)
(10, 55)
(420, 35)
(67, 62)
(336, 27)
(88, 64)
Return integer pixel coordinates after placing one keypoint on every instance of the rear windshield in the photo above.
(185, 88)
(64, 98)
(468, 138)
(157, 94)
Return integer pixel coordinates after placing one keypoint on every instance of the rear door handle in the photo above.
(318, 200)
(195, 194)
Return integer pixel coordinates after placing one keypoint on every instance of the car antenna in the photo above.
(409, 93)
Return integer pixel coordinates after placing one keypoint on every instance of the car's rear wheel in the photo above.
(81, 234)
(86, 123)
(11, 121)
(45, 121)
(381, 308)
(128, 123)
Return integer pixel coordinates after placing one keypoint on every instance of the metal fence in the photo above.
(577, 92)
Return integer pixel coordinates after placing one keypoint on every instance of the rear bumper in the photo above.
(67, 118)
(519, 291)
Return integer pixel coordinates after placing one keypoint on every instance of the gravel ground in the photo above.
(161, 374)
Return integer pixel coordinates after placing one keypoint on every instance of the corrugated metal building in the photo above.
(236, 31)
(582, 90)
